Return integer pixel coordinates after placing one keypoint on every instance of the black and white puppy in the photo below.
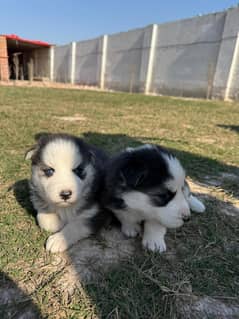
(65, 187)
(147, 184)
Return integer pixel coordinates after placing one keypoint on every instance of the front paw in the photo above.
(155, 245)
(196, 205)
(131, 230)
(56, 243)
(49, 222)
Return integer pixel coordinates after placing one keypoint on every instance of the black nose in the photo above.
(65, 194)
(186, 218)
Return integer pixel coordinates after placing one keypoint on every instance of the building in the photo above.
(22, 59)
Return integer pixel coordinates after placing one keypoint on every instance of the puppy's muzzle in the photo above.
(66, 194)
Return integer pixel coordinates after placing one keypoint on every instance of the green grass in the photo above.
(203, 134)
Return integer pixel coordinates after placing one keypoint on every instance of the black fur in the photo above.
(142, 169)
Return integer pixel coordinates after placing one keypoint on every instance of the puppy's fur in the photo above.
(65, 186)
(147, 184)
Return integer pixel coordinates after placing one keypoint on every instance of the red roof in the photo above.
(17, 38)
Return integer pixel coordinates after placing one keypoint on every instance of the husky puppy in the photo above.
(65, 187)
(147, 185)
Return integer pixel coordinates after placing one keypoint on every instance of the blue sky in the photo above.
(63, 21)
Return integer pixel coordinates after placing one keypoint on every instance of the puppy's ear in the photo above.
(30, 153)
(42, 135)
(92, 157)
(41, 139)
(133, 174)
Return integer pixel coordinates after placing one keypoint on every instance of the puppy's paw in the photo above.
(131, 230)
(49, 222)
(56, 243)
(155, 244)
(196, 205)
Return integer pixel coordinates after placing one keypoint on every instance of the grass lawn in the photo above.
(202, 261)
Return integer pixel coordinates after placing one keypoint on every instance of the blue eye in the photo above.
(80, 172)
(48, 171)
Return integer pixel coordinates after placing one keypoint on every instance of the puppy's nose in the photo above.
(186, 218)
(66, 194)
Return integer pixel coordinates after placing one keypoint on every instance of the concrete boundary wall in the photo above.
(186, 56)
(226, 83)
(127, 60)
(88, 62)
(62, 63)
(197, 57)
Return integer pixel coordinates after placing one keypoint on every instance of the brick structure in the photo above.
(4, 72)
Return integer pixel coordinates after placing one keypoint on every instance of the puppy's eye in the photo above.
(48, 171)
(80, 172)
(163, 198)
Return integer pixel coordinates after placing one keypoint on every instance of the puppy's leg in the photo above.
(129, 227)
(78, 228)
(49, 221)
(195, 204)
(72, 232)
(153, 237)
(130, 230)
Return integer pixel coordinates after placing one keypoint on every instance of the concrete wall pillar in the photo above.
(52, 56)
(103, 61)
(149, 73)
(224, 84)
(73, 62)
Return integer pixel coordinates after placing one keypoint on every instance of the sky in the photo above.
(62, 21)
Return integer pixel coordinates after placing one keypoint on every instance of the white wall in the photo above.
(62, 63)
(88, 62)
(127, 58)
(226, 75)
(186, 55)
(194, 57)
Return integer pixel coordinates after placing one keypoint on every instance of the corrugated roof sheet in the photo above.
(17, 38)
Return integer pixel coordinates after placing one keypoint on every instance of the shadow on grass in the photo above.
(14, 303)
(234, 128)
(144, 285)
(22, 194)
